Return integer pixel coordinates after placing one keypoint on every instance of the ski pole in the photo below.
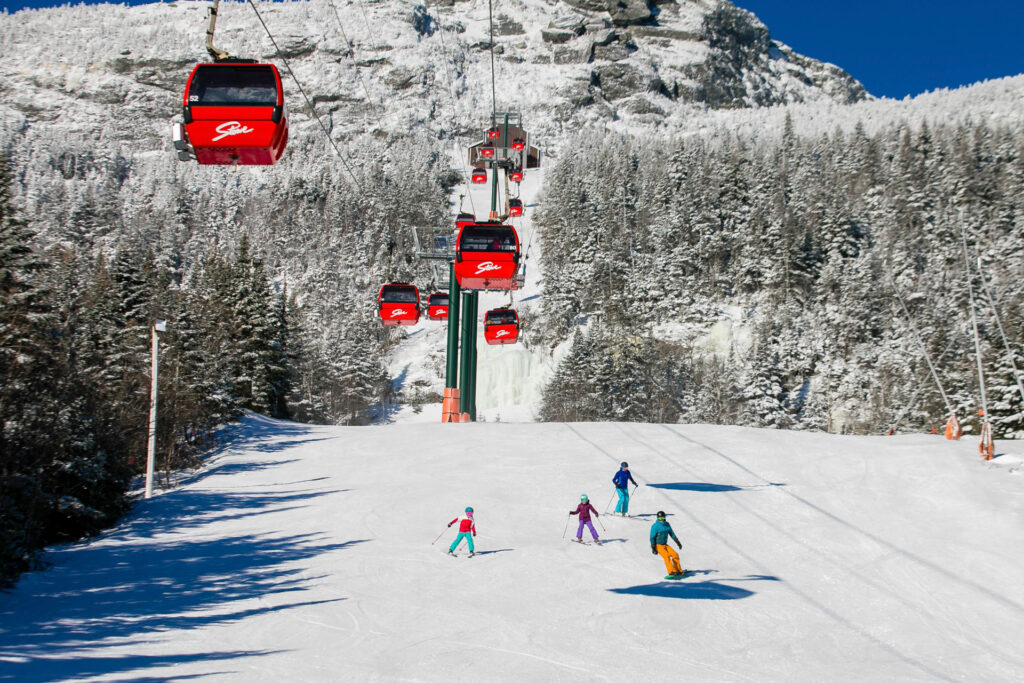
(601, 523)
(606, 507)
(438, 537)
(566, 525)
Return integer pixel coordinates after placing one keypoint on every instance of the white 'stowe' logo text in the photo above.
(486, 266)
(502, 333)
(229, 128)
(398, 311)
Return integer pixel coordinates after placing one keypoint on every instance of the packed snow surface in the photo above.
(304, 553)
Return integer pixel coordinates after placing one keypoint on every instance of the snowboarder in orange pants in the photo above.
(660, 531)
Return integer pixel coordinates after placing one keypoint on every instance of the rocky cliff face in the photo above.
(115, 73)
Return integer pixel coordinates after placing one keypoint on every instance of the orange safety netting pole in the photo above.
(953, 429)
(986, 447)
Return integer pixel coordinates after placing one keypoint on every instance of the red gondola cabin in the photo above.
(486, 256)
(493, 133)
(234, 114)
(501, 326)
(519, 144)
(437, 306)
(515, 207)
(486, 152)
(516, 175)
(479, 177)
(399, 304)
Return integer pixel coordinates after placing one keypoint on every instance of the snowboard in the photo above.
(677, 577)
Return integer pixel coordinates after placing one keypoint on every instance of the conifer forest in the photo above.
(817, 240)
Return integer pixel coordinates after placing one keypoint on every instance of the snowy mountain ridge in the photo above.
(402, 65)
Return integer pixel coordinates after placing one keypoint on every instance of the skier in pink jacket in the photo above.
(467, 530)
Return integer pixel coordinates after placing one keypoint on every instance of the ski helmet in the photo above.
(584, 498)
(661, 515)
(469, 511)
(625, 464)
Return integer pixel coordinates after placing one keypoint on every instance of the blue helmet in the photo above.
(469, 509)
(584, 498)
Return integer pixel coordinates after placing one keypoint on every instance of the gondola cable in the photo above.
(490, 22)
(309, 103)
(451, 98)
(359, 75)
(366, 21)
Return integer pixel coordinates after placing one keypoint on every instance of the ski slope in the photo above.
(303, 553)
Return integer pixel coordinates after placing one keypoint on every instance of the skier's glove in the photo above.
(450, 524)
(654, 551)
(679, 545)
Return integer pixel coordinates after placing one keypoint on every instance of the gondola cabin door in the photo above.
(235, 114)
(399, 304)
(487, 256)
(501, 326)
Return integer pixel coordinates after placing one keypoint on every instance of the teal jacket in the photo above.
(660, 531)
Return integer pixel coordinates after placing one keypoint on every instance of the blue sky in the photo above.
(894, 47)
(903, 47)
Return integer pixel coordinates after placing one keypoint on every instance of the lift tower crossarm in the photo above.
(218, 55)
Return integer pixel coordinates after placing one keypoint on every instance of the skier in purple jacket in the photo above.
(583, 510)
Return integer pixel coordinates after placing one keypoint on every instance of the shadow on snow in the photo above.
(152, 574)
(688, 590)
(695, 486)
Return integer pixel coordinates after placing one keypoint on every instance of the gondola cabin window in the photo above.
(232, 86)
(501, 317)
(488, 241)
(400, 295)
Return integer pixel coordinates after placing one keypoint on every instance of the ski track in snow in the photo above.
(839, 619)
(762, 569)
(304, 553)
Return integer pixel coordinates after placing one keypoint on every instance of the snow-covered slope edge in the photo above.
(304, 553)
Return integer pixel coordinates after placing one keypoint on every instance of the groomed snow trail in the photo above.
(304, 553)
